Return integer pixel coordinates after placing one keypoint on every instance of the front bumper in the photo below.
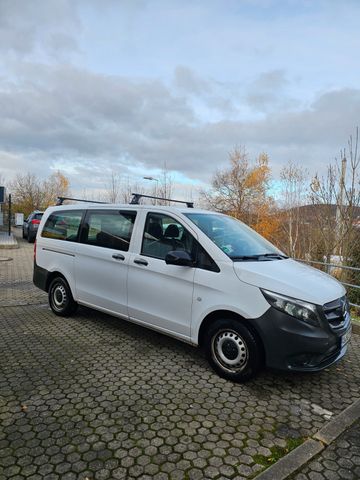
(291, 344)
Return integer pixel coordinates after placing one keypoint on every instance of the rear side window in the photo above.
(63, 225)
(109, 229)
(38, 216)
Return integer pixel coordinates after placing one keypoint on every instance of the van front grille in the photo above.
(336, 312)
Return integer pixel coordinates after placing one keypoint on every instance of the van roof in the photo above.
(126, 206)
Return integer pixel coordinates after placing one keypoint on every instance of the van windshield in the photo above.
(236, 239)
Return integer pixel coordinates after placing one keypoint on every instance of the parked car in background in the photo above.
(31, 225)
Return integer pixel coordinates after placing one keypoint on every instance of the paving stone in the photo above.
(16, 284)
(331, 464)
(94, 396)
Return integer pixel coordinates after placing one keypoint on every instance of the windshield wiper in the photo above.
(259, 257)
(246, 257)
(274, 255)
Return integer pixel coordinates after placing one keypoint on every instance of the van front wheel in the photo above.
(233, 351)
(60, 298)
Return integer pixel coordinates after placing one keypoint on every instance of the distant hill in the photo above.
(311, 212)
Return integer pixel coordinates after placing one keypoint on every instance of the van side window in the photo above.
(63, 225)
(162, 234)
(108, 229)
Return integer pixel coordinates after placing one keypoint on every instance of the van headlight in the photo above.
(307, 312)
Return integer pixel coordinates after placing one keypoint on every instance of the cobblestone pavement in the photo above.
(16, 267)
(341, 460)
(95, 397)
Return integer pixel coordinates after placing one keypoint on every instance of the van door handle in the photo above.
(140, 261)
(118, 256)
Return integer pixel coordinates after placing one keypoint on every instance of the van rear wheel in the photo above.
(233, 351)
(60, 298)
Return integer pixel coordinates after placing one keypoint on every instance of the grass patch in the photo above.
(278, 452)
(355, 315)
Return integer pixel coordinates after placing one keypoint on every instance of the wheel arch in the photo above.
(51, 277)
(223, 314)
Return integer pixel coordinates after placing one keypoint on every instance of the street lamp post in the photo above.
(153, 179)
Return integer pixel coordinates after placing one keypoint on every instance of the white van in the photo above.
(202, 277)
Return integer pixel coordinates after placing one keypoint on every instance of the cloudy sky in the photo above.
(89, 86)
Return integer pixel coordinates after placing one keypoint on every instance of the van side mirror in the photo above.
(179, 257)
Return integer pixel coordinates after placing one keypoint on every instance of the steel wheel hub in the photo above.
(59, 296)
(230, 350)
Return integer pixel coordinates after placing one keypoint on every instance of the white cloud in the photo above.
(63, 115)
(37, 27)
(85, 85)
(188, 81)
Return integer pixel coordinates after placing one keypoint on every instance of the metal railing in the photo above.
(329, 267)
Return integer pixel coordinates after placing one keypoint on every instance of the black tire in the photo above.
(233, 350)
(60, 298)
(30, 238)
(23, 233)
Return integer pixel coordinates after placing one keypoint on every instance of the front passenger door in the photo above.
(161, 295)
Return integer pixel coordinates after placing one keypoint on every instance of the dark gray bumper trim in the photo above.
(293, 345)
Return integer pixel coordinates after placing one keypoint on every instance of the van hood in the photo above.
(291, 278)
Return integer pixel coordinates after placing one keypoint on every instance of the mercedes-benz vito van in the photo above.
(202, 277)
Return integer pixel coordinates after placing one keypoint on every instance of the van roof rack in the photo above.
(137, 196)
(60, 200)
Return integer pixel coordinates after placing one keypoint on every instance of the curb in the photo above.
(332, 430)
(301, 455)
(8, 246)
(7, 242)
(292, 461)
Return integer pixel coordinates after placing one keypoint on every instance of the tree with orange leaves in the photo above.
(55, 185)
(31, 193)
(242, 191)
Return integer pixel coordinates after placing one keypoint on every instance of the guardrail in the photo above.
(329, 266)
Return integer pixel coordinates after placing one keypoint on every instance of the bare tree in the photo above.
(92, 195)
(294, 192)
(350, 190)
(337, 198)
(128, 188)
(113, 188)
(165, 186)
